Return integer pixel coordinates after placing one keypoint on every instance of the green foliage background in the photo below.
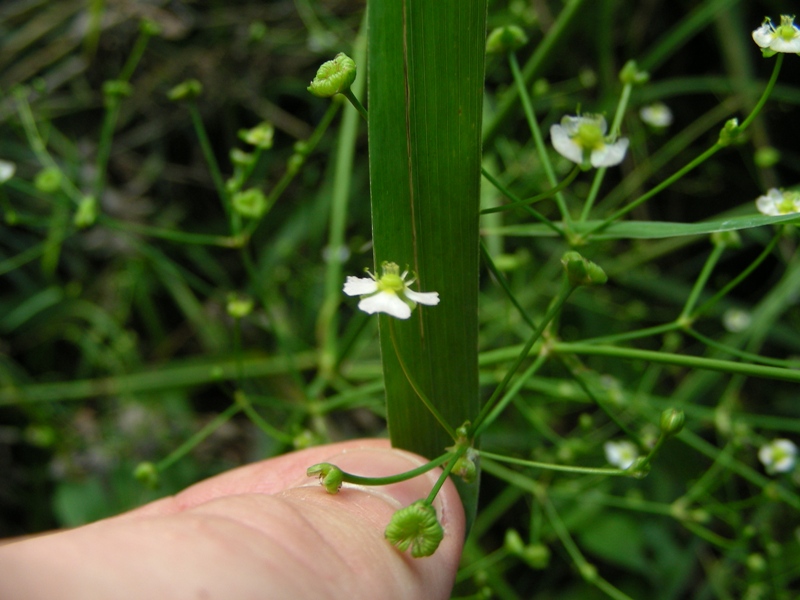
(116, 346)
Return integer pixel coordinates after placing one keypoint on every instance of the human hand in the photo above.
(260, 531)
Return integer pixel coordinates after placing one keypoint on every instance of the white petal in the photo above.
(791, 46)
(611, 154)
(385, 302)
(7, 170)
(358, 286)
(763, 36)
(427, 298)
(564, 145)
(767, 206)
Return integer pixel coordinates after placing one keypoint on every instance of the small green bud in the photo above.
(48, 180)
(149, 28)
(86, 214)
(250, 203)
(466, 466)
(513, 542)
(536, 556)
(334, 77)
(146, 473)
(767, 157)
(187, 90)
(239, 307)
(727, 239)
(7, 170)
(240, 158)
(729, 133)
(581, 271)
(505, 39)
(417, 527)
(330, 476)
(115, 89)
(588, 571)
(305, 438)
(301, 147)
(257, 31)
(294, 163)
(631, 75)
(41, 436)
(672, 421)
(260, 136)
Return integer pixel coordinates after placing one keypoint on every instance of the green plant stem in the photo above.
(755, 358)
(173, 235)
(198, 437)
(543, 196)
(328, 320)
(211, 162)
(538, 140)
(38, 145)
(708, 304)
(356, 103)
(683, 360)
(700, 284)
(555, 308)
(500, 278)
(516, 201)
(767, 93)
(552, 466)
(243, 401)
(405, 476)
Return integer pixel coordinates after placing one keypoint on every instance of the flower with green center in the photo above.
(388, 293)
(621, 454)
(778, 202)
(783, 38)
(778, 456)
(657, 115)
(583, 140)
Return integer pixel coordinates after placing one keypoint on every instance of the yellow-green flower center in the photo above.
(590, 137)
(786, 30)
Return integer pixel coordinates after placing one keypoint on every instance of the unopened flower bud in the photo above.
(416, 527)
(672, 421)
(330, 476)
(581, 271)
(188, 90)
(505, 39)
(334, 77)
(147, 474)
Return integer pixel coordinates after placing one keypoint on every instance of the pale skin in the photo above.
(260, 531)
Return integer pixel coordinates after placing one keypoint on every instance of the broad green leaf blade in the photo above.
(426, 66)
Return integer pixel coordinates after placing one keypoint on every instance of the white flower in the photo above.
(778, 456)
(7, 170)
(736, 320)
(583, 140)
(388, 294)
(656, 115)
(778, 202)
(783, 38)
(621, 454)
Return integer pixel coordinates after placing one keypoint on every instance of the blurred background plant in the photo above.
(128, 265)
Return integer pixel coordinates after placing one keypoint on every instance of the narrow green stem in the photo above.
(425, 400)
(537, 137)
(244, 403)
(136, 54)
(683, 360)
(552, 466)
(740, 277)
(785, 364)
(500, 278)
(633, 335)
(516, 201)
(700, 284)
(555, 308)
(661, 186)
(454, 456)
(543, 196)
(211, 159)
(181, 237)
(198, 437)
(405, 476)
(767, 92)
(356, 103)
